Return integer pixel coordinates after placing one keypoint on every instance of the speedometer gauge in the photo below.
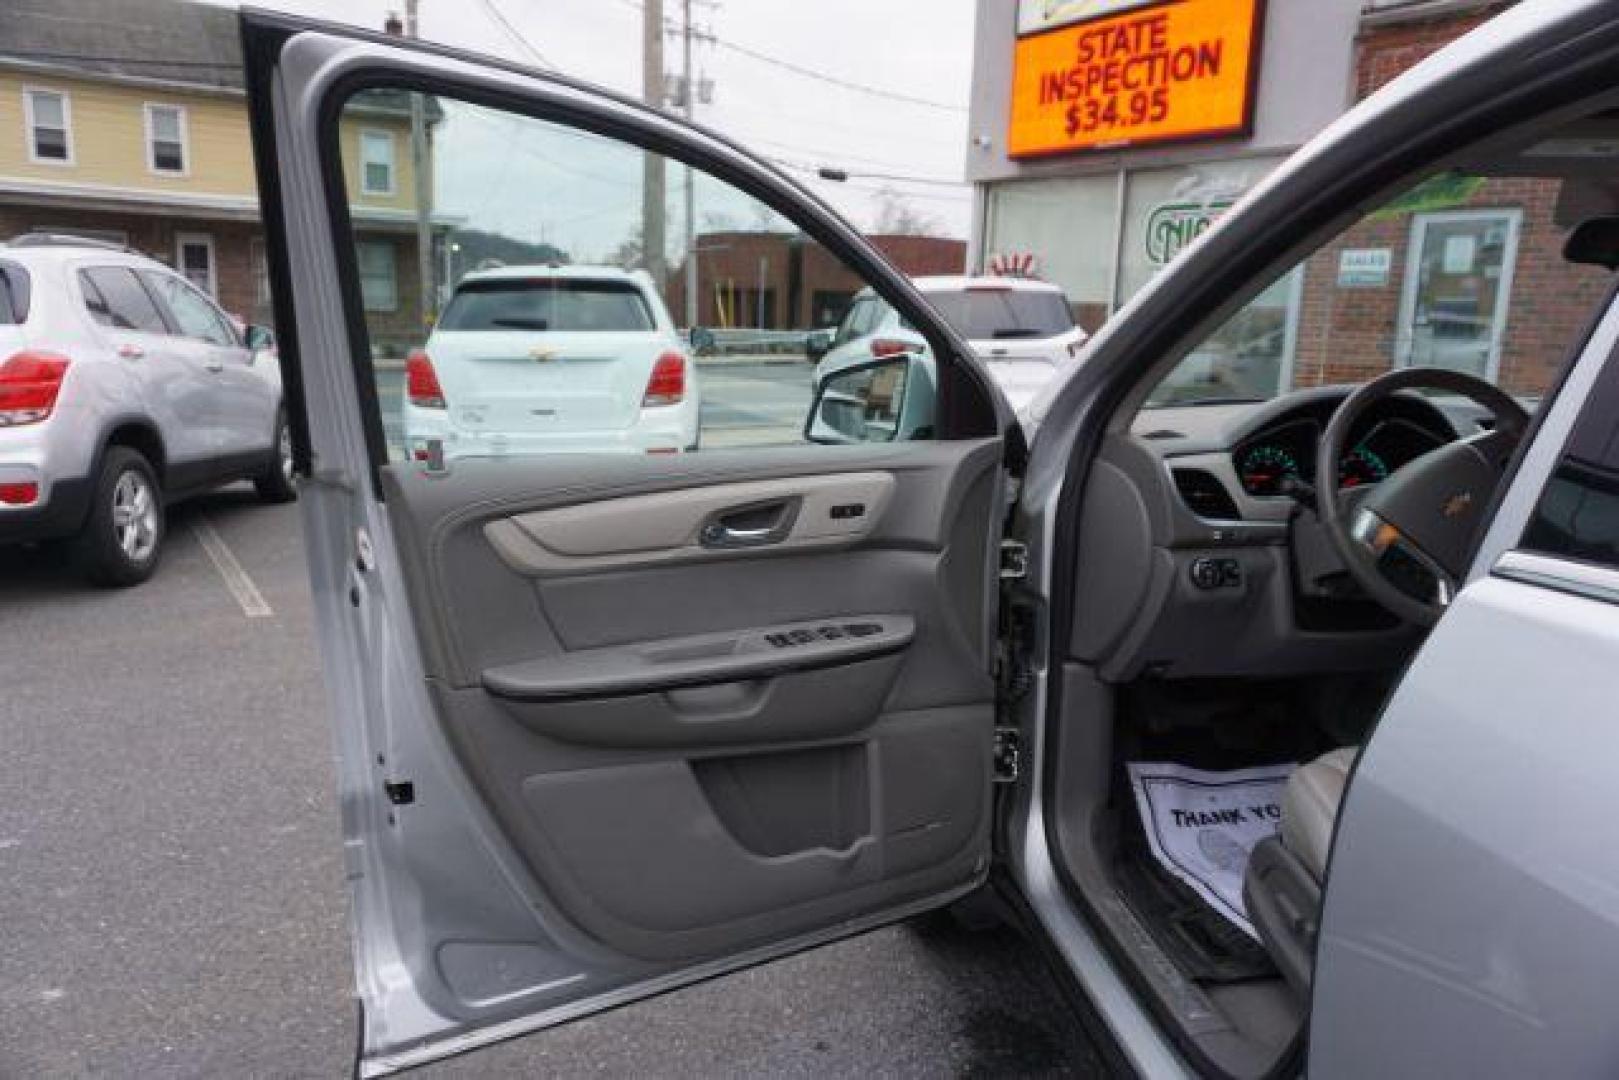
(1263, 468)
(1360, 467)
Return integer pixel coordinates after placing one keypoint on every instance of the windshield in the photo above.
(547, 304)
(990, 314)
(1459, 272)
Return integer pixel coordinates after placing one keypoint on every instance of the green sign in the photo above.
(1171, 226)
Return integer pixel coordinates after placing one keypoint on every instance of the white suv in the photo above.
(122, 388)
(551, 359)
(1021, 328)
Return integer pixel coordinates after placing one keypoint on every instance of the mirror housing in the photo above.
(259, 337)
(1594, 242)
(701, 339)
(889, 399)
(817, 343)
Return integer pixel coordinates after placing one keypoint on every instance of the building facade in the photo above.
(1106, 135)
(778, 281)
(134, 130)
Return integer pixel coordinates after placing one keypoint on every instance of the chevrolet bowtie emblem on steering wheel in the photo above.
(541, 355)
(1457, 505)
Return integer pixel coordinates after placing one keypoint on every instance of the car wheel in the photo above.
(275, 484)
(123, 535)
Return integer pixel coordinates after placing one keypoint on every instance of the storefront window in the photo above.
(1068, 225)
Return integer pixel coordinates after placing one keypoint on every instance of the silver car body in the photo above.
(1470, 913)
(211, 408)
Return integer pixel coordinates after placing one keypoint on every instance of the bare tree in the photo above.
(896, 217)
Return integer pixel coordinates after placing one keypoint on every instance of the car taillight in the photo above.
(19, 494)
(667, 386)
(421, 382)
(891, 347)
(29, 383)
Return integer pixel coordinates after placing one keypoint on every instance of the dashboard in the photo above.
(1195, 560)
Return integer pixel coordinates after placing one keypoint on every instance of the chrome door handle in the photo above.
(131, 352)
(215, 365)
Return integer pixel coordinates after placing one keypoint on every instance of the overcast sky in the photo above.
(915, 48)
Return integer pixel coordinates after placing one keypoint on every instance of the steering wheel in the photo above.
(1406, 540)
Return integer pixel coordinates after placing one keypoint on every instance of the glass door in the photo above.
(1458, 283)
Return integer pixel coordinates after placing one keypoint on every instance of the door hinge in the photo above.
(1008, 754)
(1014, 560)
(399, 792)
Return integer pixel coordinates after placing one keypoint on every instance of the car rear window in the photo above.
(14, 294)
(547, 304)
(990, 314)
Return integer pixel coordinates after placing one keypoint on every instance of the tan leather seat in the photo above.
(1310, 806)
(1282, 887)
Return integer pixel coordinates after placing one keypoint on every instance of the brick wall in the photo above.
(1350, 334)
(729, 264)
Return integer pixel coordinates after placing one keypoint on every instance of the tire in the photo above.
(275, 484)
(122, 538)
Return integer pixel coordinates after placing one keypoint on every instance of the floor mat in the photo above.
(1184, 869)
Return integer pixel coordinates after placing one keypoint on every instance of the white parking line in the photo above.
(247, 594)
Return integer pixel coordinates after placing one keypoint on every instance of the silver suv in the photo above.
(122, 388)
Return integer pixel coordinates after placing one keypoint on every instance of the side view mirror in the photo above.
(1594, 242)
(883, 400)
(817, 343)
(259, 337)
(701, 339)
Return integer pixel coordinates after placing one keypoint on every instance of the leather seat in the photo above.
(1282, 886)
(1310, 806)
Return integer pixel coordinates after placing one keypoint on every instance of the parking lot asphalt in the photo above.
(173, 898)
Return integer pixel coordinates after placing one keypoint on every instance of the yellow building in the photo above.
(125, 120)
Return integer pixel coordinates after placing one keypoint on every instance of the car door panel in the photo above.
(573, 769)
(642, 708)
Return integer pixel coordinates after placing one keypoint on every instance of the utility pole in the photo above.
(689, 99)
(652, 175)
(419, 172)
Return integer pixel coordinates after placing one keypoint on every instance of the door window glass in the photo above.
(1578, 513)
(1460, 272)
(582, 295)
(1456, 284)
(193, 316)
(116, 299)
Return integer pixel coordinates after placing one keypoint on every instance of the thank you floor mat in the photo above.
(1201, 825)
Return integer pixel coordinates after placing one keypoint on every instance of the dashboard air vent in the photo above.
(1204, 495)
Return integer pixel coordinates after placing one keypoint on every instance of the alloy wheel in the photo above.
(134, 515)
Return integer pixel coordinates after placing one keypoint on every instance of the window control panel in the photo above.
(786, 639)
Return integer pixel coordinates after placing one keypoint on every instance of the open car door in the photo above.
(609, 722)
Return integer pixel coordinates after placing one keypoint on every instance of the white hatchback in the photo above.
(552, 359)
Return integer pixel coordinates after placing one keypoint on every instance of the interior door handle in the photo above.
(750, 526)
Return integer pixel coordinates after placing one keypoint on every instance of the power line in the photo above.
(844, 175)
(812, 73)
(517, 35)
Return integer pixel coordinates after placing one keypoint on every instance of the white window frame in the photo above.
(28, 93)
(181, 239)
(393, 163)
(259, 256)
(393, 264)
(1513, 216)
(183, 115)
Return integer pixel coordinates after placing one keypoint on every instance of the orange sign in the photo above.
(1179, 70)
